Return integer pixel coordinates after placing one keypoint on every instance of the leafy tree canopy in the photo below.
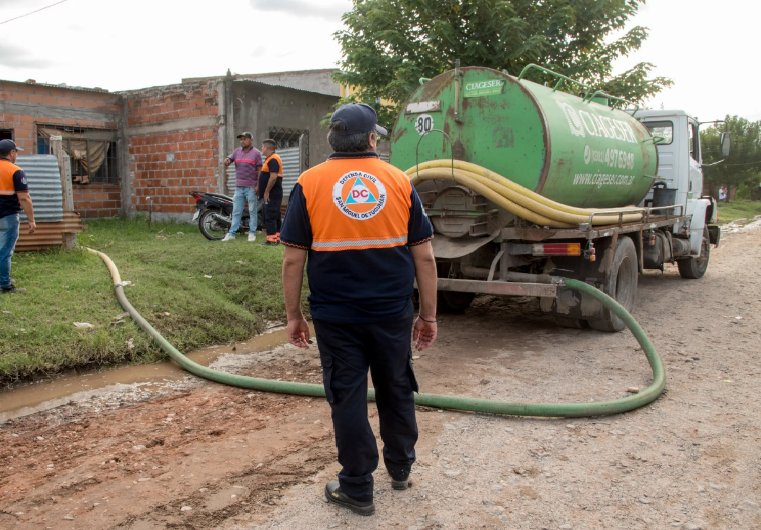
(743, 165)
(389, 44)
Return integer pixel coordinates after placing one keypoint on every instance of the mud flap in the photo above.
(570, 303)
(714, 235)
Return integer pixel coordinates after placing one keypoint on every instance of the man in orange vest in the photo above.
(14, 196)
(271, 190)
(367, 237)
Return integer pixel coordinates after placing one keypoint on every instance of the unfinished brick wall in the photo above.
(97, 201)
(168, 165)
(24, 126)
(93, 200)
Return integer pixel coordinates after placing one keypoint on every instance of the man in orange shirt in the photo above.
(14, 197)
(270, 189)
(367, 238)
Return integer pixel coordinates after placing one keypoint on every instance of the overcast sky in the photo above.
(707, 47)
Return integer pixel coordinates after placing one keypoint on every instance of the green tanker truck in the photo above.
(526, 185)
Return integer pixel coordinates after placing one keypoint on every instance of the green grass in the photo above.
(733, 210)
(168, 270)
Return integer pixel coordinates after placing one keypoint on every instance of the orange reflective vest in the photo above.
(357, 204)
(7, 170)
(266, 166)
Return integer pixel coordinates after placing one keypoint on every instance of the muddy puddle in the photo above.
(35, 397)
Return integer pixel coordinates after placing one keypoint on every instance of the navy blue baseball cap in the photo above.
(358, 118)
(6, 146)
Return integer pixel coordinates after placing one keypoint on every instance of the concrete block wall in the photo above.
(173, 146)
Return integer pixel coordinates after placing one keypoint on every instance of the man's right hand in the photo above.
(298, 333)
(32, 227)
(227, 162)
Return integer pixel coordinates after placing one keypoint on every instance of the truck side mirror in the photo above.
(725, 144)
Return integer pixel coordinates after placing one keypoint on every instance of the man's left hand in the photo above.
(266, 196)
(298, 333)
(32, 227)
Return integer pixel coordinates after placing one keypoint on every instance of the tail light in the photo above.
(556, 249)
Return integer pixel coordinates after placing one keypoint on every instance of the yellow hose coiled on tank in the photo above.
(513, 197)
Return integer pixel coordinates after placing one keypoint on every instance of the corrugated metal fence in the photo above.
(291, 171)
(44, 180)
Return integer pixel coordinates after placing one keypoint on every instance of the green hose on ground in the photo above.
(563, 410)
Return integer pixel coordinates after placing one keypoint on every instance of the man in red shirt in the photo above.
(248, 160)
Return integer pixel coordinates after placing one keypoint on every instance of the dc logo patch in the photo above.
(359, 195)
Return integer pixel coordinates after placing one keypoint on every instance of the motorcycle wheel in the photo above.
(209, 227)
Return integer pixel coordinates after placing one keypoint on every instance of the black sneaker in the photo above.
(12, 289)
(270, 244)
(334, 494)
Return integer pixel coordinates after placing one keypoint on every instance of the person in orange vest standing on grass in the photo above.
(271, 191)
(14, 197)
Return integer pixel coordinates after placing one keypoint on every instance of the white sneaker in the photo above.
(229, 237)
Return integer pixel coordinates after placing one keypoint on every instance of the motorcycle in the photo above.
(214, 213)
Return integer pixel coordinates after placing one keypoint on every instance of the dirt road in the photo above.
(196, 455)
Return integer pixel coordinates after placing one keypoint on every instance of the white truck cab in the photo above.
(680, 174)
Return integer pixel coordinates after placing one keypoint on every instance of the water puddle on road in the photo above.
(26, 399)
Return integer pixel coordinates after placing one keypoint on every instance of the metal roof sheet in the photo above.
(44, 180)
(62, 85)
(48, 234)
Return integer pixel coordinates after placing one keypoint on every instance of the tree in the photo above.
(743, 165)
(389, 44)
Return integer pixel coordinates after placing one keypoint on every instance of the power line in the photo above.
(33, 12)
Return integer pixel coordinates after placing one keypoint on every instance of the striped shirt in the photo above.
(247, 164)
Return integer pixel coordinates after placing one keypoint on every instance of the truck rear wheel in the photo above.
(573, 323)
(620, 284)
(452, 301)
(695, 268)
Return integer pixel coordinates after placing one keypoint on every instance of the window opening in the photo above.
(6, 134)
(285, 138)
(694, 145)
(92, 152)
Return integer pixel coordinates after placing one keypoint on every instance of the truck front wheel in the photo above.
(620, 284)
(695, 268)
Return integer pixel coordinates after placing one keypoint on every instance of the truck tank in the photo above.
(571, 150)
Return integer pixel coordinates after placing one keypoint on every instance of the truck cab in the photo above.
(680, 174)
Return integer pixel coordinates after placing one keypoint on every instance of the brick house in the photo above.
(160, 142)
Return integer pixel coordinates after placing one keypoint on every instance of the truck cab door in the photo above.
(695, 174)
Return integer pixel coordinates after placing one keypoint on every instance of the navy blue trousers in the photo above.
(347, 351)
(272, 215)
